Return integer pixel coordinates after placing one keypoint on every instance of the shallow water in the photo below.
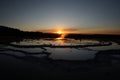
(81, 53)
(64, 42)
(71, 54)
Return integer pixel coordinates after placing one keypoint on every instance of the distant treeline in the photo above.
(93, 36)
(7, 31)
(10, 34)
(98, 37)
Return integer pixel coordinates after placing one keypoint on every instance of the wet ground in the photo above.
(38, 62)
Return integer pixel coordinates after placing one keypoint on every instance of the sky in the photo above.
(75, 16)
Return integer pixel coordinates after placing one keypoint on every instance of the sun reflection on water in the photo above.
(60, 41)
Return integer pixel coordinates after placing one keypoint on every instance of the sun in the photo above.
(59, 32)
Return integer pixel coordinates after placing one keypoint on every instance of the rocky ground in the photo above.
(105, 65)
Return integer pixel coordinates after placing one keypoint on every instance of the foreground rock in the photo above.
(105, 65)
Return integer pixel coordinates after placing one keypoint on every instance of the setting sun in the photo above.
(59, 32)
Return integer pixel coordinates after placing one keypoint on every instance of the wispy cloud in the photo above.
(67, 30)
(83, 31)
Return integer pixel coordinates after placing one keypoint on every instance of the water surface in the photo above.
(80, 53)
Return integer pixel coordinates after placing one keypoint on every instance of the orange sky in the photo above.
(82, 31)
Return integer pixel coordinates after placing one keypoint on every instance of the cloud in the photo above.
(83, 31)
(68, 30)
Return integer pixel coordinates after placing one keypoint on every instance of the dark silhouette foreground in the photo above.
(21, 64)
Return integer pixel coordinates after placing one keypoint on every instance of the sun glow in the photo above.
(60, 32)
